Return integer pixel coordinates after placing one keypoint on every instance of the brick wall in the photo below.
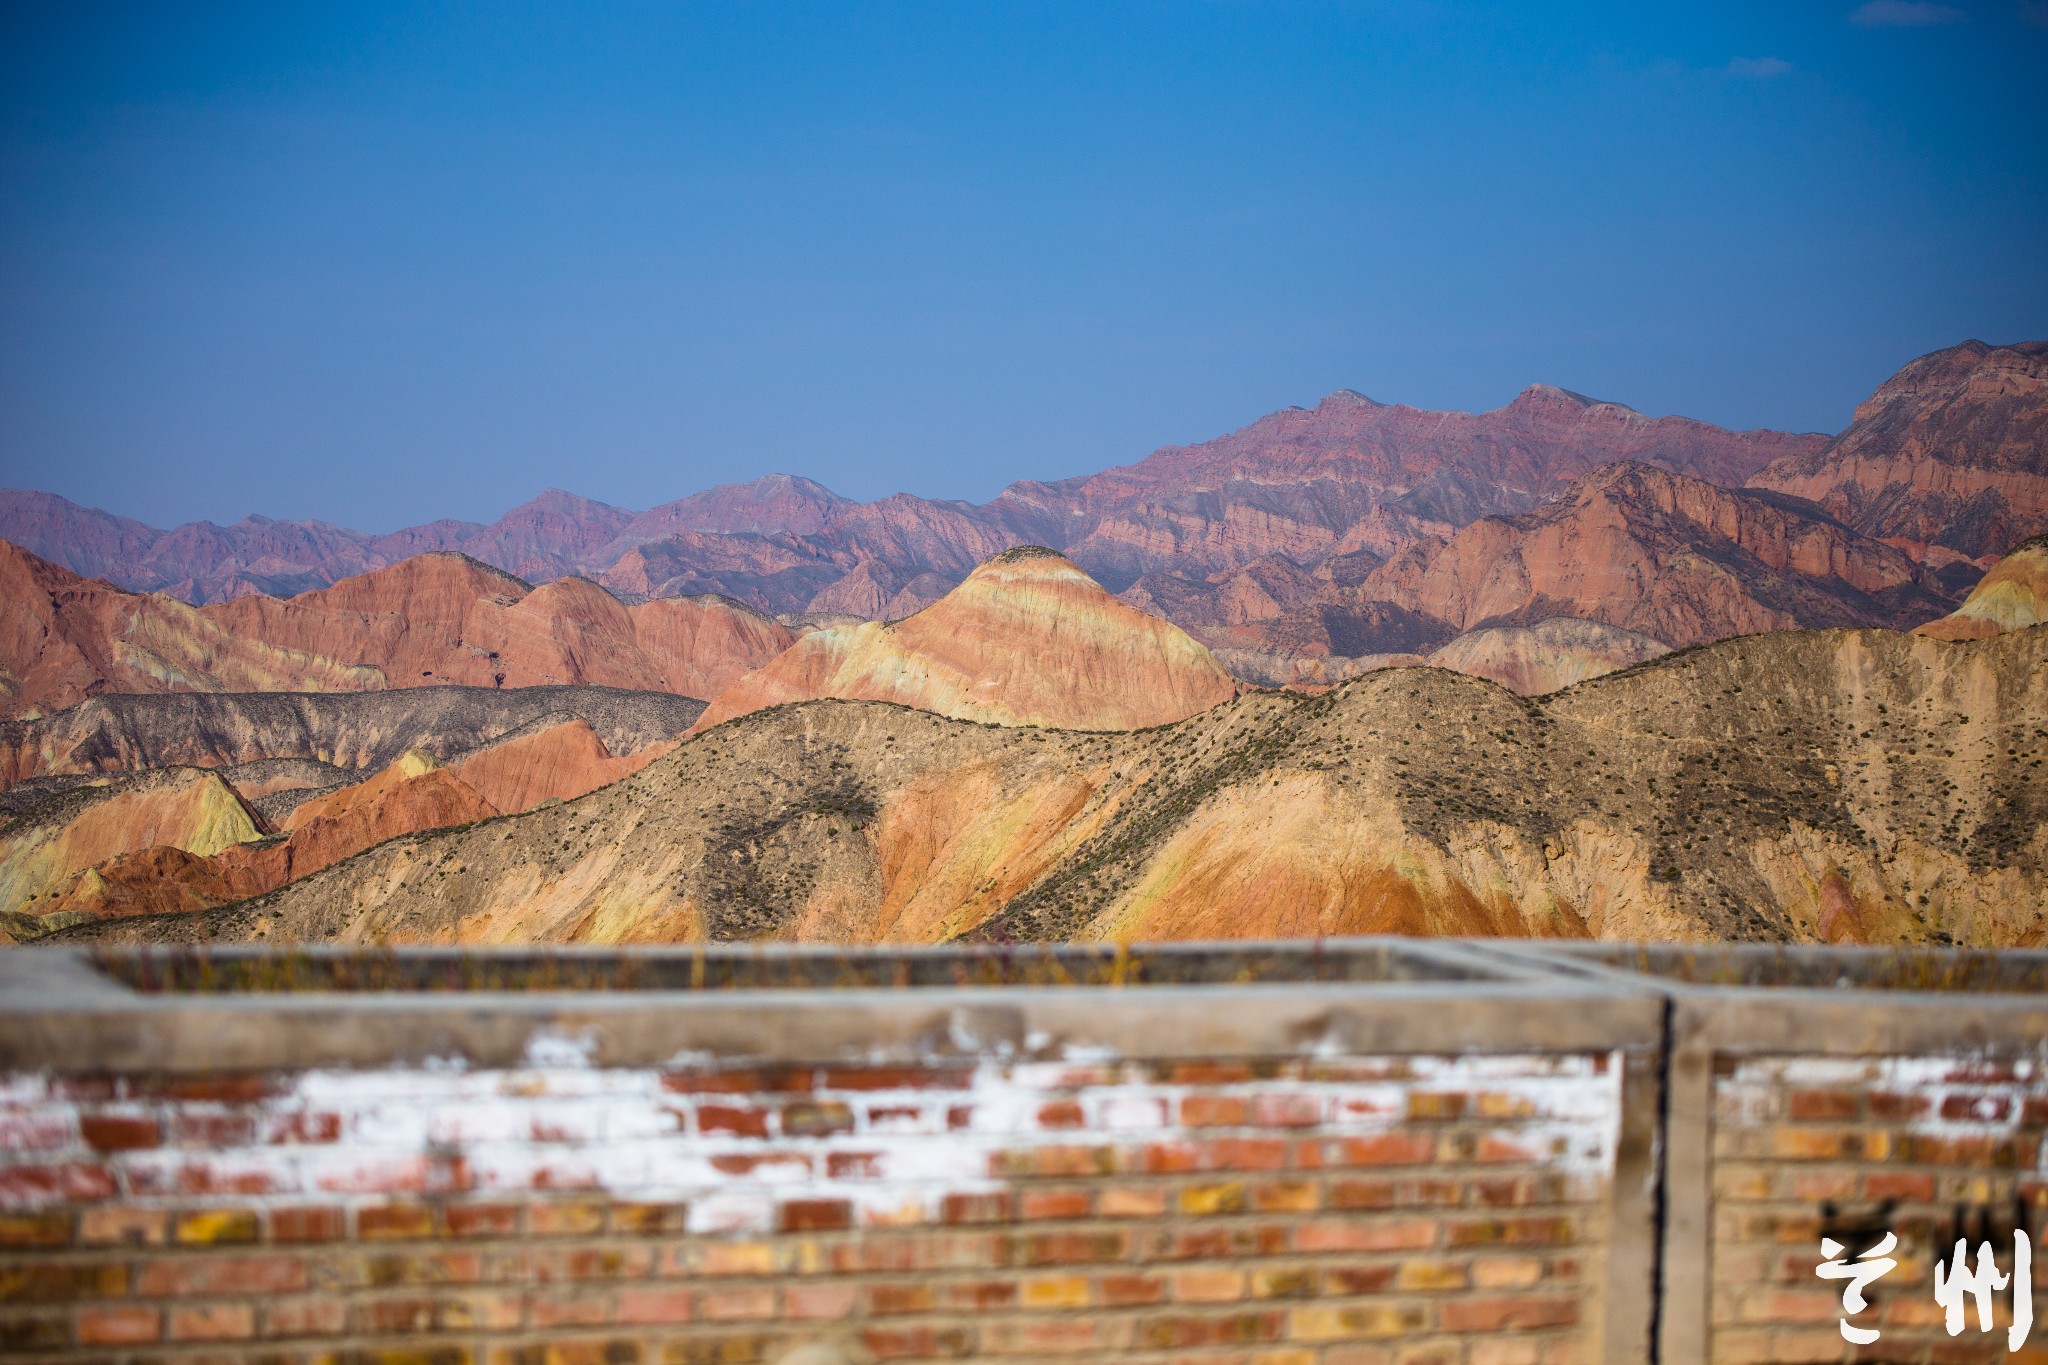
(1926, 1147)
(1348, 1210)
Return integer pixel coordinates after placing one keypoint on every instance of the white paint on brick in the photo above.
(560, 1123)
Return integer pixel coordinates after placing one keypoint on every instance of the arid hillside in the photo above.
(429, 621)
(1845, 786)
(1027, 639)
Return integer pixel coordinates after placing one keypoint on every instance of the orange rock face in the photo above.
(431, 620)
(1950, 452)
(181, 808)
(1673, 558)
(2013, 596)
(559, 763)
(403, 799)
(1028, 639)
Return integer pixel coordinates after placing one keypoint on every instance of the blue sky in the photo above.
(380, 263)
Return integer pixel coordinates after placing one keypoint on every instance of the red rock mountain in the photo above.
(1948, 458)
(430, 620)
(1347, 475)
(1670, 557)
(1028, 639)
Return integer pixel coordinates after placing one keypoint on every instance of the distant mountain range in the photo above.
(1307, 547)
(309, 764)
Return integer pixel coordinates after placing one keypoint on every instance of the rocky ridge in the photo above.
(433, 620)
(1949, 458)
(345, 734)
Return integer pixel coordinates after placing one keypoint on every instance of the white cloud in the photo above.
(1759, 68)
(1906, 14)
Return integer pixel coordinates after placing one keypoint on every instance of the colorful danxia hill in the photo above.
(1555, 669)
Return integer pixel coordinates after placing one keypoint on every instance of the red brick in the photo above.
(854, 1165)
(1408, 1234)
(1362, 1194)
(814, 1302)
(1904, 1185)
(1380, 1149)
(1214, 1111)
(1123, 1291)
(212, 1322)
(1519, 1313)
(749, 1303)
(480, 1220)
(320, 1317)
(1511, 1232)
(729, 1118)
(576, 1310)
(1050, 1204)
(977, 1295)
(896, 1300)
(593, 1263)
(1208, 1285)
(394, 1222)
(1131, 1201)
(976, 1208)
(1357, 1279)
(54, 1183)
(119, 1226)
(637, 1219)
(118, 1132)
(1183, 1331)
(302, 1127)
(899, 1343)
(178, 1277)
(51, 1229)
(565, 1218)
(1062, 1114)
(1824, 1106)
(308, 1225)
(643, 1304)
(118, 1325)
(1287, 1111)
(397, 1316)
(815, 1215)
(772, 1081)
(29, 1282)
(1885, 1105)
(1248, 1154)
(202, 1129)
(1968, 1108)
(1074, 1248)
